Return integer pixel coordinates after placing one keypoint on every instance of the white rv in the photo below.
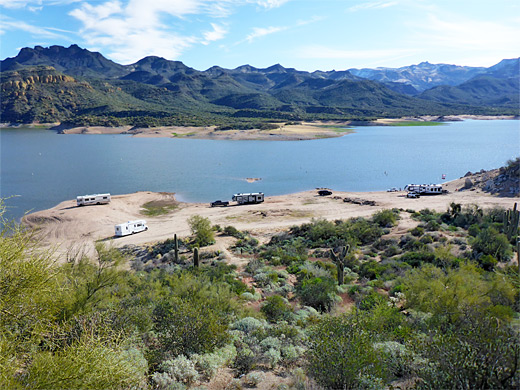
(424, 189)
(255, 197)
(93, 199)
(130, 227)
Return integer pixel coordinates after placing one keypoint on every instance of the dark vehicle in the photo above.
(219, 203)
(324, 192)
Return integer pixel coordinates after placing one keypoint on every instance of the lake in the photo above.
(43, 168)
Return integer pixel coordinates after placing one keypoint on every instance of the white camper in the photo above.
(254, 197)
(93, 199)
(130, 227)
(425, 189)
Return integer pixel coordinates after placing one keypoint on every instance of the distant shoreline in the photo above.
(285, 132)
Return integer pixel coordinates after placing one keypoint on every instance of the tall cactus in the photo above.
(339, 257)
(176, 249)
(196, 257)
(511, 221)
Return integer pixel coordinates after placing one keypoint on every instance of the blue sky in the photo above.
(302, 34)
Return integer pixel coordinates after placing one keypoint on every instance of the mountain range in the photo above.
(79, 86)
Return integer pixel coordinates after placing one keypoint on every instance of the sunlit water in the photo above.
(43, 168)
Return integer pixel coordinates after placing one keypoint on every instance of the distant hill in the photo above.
(498, 86)
(79, 86)
(422, 76)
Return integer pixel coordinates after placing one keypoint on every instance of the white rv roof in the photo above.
(84, 196)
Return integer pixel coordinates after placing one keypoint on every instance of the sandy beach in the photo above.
(284, 131)
(67, 227)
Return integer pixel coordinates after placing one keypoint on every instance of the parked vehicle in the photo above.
(130, 227)
(219, 203)
(92, 199)
(324, 192)
(393, 189)
(425, 189)
(413, 195)
(249, 198)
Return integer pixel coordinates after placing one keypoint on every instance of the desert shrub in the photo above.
(490, 242)
(91, 362)
(202, 231)
(417, 231)
(432, 226)
(372, 269)
(208, 363)
(385, 218)
(248, 325)
(477, 352)
(371, 300)
(341, 352)
(275, 309)
(233, 232)
(319, 293)
(181, 369)
(184, 327)
(416, 259)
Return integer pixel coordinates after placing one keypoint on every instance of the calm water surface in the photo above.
(44, 168)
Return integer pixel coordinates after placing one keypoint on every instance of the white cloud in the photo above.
(263, 31)
(372, 5)
(8, 24)
(271, 3)
(139, 28)
(218, 33)
(468, 41)
(18, 3)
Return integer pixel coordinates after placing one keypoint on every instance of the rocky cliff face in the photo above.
(504, 181)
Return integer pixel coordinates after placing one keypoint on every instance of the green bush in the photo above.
(202, 231)
(275, 309)
(385, 218)
(319, 293)
(184, 328)
(341, 352)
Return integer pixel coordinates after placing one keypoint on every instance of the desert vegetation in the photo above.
(434, 307)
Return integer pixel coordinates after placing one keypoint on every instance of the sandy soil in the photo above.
(66, 226)
(284, 132)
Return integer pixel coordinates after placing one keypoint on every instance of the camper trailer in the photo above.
(255, 197)
(424, 189)
(93, 199)
(130, 227)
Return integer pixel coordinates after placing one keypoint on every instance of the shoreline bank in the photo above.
(67, 228)
(300, 131)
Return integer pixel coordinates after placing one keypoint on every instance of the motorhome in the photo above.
(92, 199)
(254, 197)
(130, 227)
(424, 189)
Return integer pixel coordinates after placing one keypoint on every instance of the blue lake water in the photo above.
(44, 168)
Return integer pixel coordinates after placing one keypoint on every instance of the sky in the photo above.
(303, 34)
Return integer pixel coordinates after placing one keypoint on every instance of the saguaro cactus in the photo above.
(176, 249)
(338, 256)
(511, 220)
(196, 257)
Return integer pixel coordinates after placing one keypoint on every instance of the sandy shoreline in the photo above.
(66, 227)
(284, 131)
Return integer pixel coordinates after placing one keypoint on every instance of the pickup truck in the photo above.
(219, 203)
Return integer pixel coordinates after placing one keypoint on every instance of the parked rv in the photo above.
(425, 189)
(254, 197)
(92, 199)
(130, 227)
